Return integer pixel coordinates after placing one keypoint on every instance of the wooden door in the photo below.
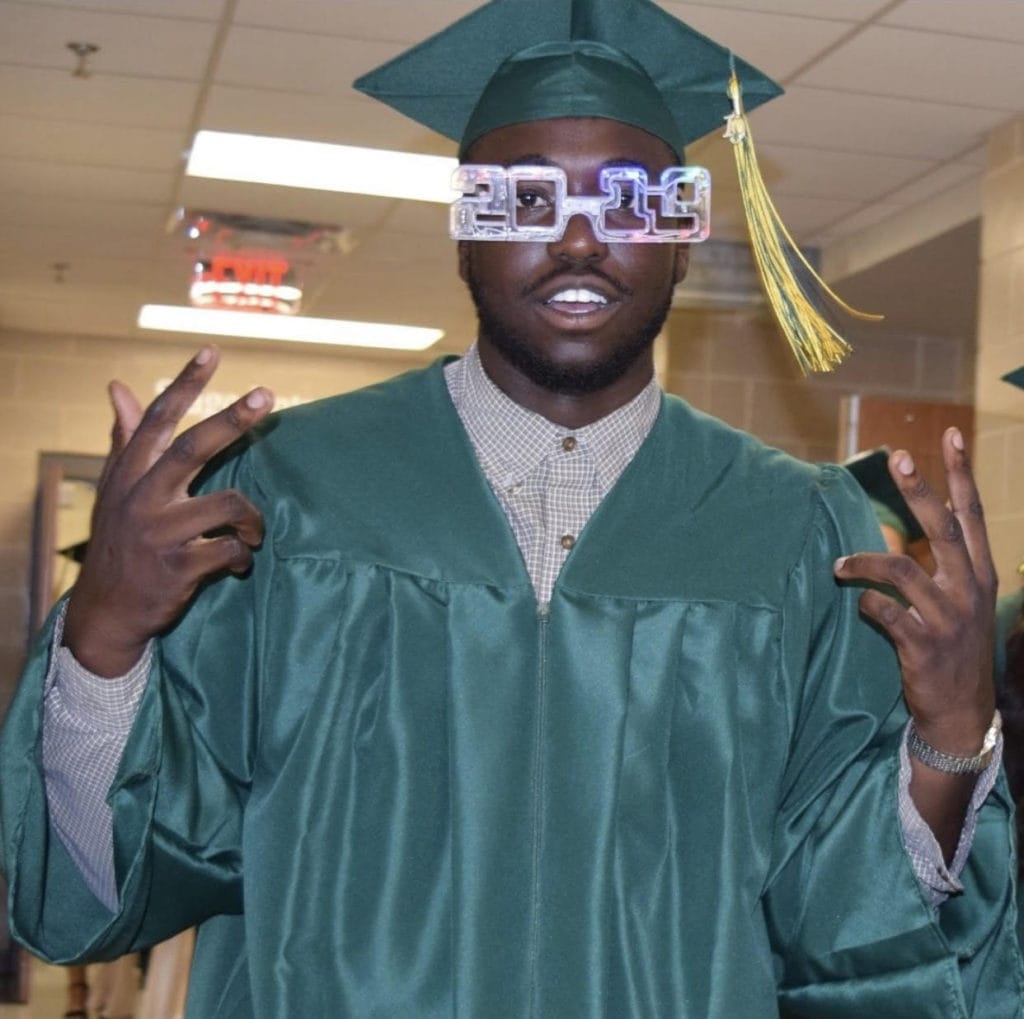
(868, 422)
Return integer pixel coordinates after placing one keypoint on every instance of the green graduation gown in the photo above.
(387, 786)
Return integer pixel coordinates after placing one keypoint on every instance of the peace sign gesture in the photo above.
(943, 629)
(148, 552)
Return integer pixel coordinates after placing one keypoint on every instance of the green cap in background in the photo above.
(513, 61)
(871, 469)
(1015, 378)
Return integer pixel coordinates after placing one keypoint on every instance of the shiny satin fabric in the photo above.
(392, 787)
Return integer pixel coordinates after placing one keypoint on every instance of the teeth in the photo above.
(578, 297)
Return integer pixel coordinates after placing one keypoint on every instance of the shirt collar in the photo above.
(512, 441)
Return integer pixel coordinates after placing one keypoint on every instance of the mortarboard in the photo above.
(871, 469)
(513, 61)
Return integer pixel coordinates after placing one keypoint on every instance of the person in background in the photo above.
(513, 686)
(77, 993)
(166, 983)
(107, 990)
(114, 987)
(1009, 666)
(896, 520)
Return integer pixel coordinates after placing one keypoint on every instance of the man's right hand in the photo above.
(147, 552)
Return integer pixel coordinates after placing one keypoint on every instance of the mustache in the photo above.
(593, 272)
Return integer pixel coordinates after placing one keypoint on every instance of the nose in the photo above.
(579, 243)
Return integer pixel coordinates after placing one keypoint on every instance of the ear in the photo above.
(682, 262)
(463, 249)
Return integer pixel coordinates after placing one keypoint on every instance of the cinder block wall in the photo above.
(737, 366)
(731, 364)
(1000, 407)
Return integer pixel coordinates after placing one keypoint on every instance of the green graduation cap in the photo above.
(1015, 378)
(871, 469)
(514, 61)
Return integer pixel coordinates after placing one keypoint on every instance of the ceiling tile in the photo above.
(847, 175)
(976, 157)
(775, 43)
(805, 215)
(129, 43)
(28, 177)
(841, 10)
(92, 218)
(353, 120)
(852, 122)
(889, 61)
(100, 314)
(388, 20)
(202, 10)
(67, 242)
(101, 99)
(297, 62)
(941, 179)
(89, 144)
(89, 272)
(861, 219)
(990, 19)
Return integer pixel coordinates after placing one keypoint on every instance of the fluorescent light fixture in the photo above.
(182, 319)
(288, 162)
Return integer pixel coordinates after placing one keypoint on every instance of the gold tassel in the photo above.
(817, 346)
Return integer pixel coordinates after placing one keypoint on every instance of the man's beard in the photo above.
(567, 380)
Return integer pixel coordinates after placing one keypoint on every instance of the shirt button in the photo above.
(569, 443)
(568, 540)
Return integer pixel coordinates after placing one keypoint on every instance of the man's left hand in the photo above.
(943, 630)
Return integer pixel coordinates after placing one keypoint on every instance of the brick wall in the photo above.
(737, 366)
(999, 406)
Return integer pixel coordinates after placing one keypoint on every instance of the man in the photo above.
(541, 697)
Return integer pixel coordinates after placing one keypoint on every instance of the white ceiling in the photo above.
(889, 104)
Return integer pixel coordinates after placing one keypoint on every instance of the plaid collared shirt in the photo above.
(549, 479)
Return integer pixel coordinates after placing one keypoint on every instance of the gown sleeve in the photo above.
(177, 799)
(851, 929)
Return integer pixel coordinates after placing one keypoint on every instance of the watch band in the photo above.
(949, 763)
